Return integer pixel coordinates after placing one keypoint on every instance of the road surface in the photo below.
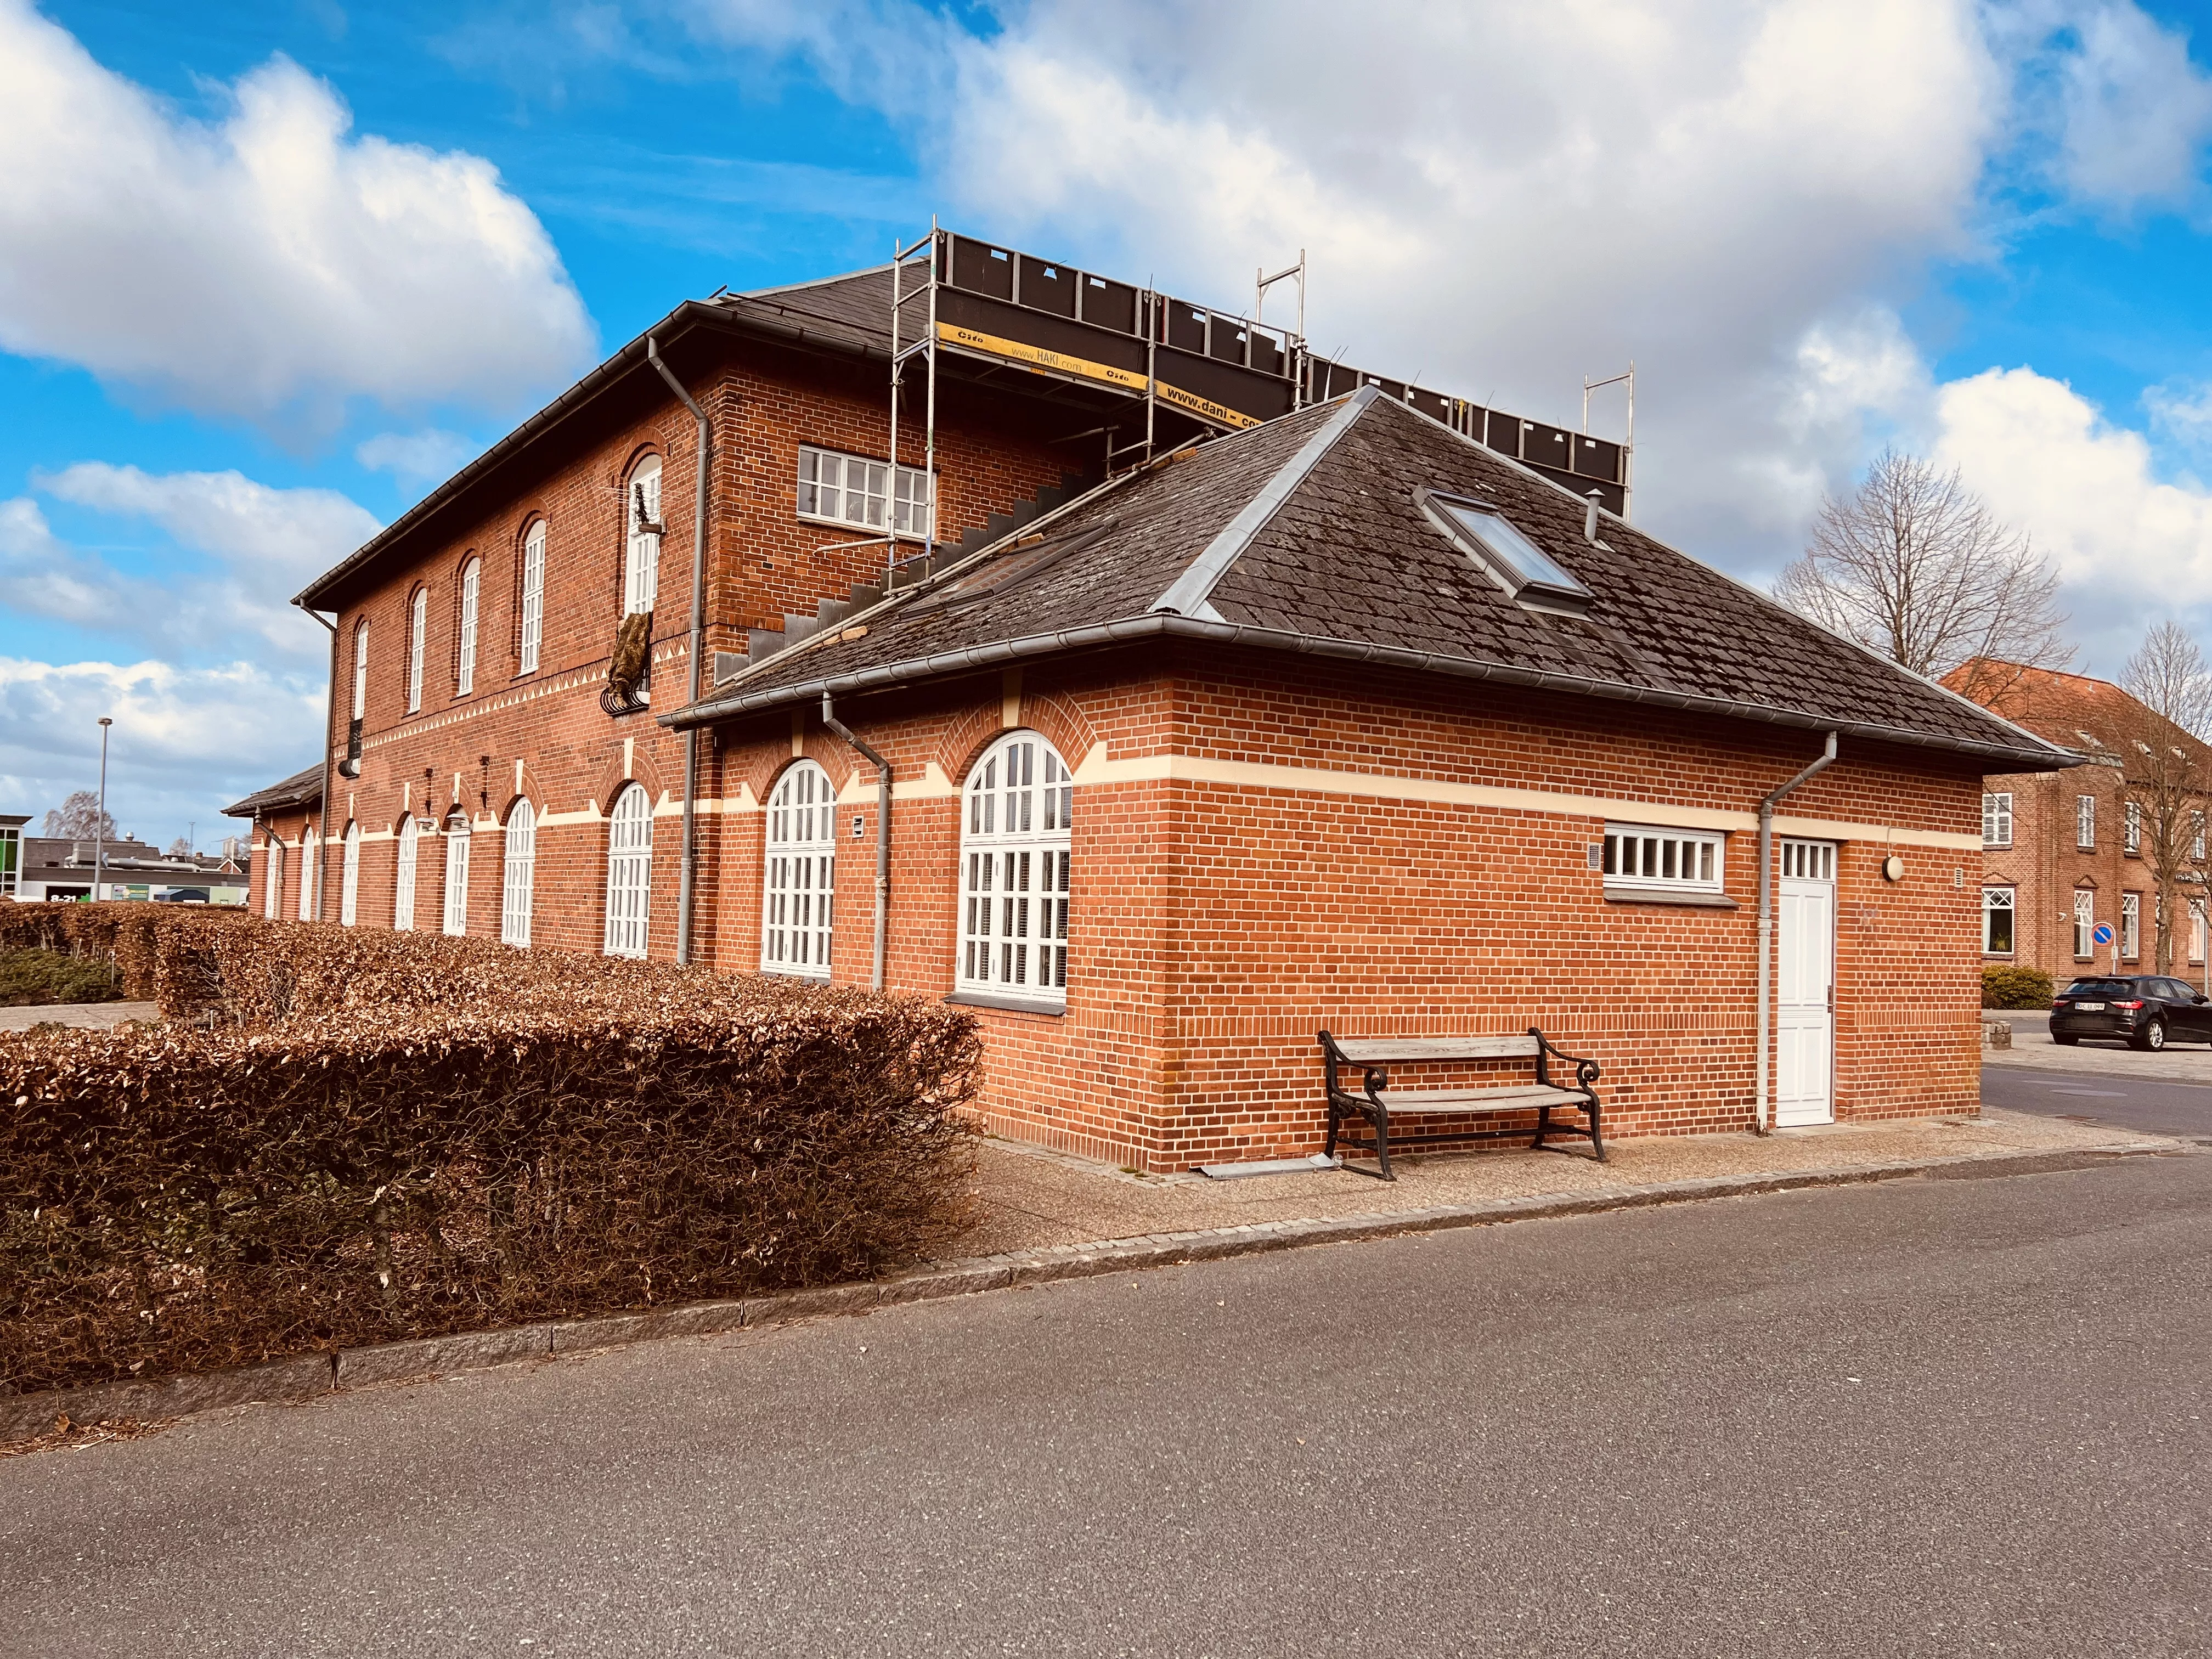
(2147, 1105)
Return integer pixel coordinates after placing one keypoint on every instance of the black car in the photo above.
(2146, 1009)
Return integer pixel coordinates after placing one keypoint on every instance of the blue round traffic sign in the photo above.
(2104, 934)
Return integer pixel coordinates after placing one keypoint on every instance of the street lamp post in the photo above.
(99, 823)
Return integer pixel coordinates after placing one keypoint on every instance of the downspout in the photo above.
(330, 719)
(1767, 807)
(690, 861)
(882, 831)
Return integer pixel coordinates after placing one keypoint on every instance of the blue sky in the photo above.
(268, 271)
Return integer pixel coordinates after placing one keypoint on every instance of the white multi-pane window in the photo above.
(2085, 921)
(457, 874)
(2131, 832)
(798, 890)
(2085, 822)
(2196, 930)
(272, 886)
(851, 489)
(629, 872)
(1806, 861)
(641, 555)
(403, 880)
(350, 876)
(2130, 925)
(465, 674)
(306, 873)
(361, 670)
(1997, 819)
(1996, 922)
(418, 623)
(1638, 856)
(2197, 840)
(517, 871)
(533, 596)
(1014, 871)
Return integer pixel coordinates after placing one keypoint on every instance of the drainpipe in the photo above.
(698, 633)
(1767, 807)
(330, 721)
(882, 830)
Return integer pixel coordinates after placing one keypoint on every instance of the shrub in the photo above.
(367, 1135)
(2015, 987)
(29, 978)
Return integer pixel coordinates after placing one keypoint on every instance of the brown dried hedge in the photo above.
(342, 1136)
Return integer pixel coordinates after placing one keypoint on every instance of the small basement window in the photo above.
(1643, 858)
(1523, 569)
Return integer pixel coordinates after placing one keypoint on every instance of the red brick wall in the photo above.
(292, 830)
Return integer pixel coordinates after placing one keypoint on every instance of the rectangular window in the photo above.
(2196, 930)
(418, 623)
(272, 883)
(2197, 846)
(533, 597)
(464, 676)
(2085, 822)
(1636, 857)
(1996, 922)
(1997, 819)
(2131, 831)
(2130, 925)
(2085, 921)
(307, 872)
(851, 489)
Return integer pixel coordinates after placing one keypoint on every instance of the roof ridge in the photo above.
(1186, 595)
(817, 281)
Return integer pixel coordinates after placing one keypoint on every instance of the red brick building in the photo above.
(282, 877)
(1343, 719)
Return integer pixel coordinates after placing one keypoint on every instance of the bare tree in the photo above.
(180, 848)
(81, 819)
(1915, 565)
(2168, 771)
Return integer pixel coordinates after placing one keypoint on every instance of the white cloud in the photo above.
(416, 457)
(2182, 415)
(2137, 112)
(268, 266)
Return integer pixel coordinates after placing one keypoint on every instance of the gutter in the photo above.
(690, 861)
(1767, 803)
(883, 832)
(330, 715)
(1163, 625)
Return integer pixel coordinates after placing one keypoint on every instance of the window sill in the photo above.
(1008, 1005)
(1661, 895)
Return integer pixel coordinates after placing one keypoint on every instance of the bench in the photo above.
(1378, 1102)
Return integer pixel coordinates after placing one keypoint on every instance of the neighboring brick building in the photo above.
(2065, 852)
(286, 817)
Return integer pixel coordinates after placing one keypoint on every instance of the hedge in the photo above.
(2015, 987)
(342, 1136)
(35, 978)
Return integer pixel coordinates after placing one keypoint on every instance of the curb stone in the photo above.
(305, 1377)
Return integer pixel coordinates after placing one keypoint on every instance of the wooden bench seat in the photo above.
(1377, 1102)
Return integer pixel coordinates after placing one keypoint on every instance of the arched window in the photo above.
(417, 624)
(1014, 844)
(457, 873)
(361, 670)
(403, 884)
(307, 833)
(796, 889)
(350, 876)
(272, 886)
(465, 675)
(629, 872)
(642, 562)
(517, 869)
(533, 596)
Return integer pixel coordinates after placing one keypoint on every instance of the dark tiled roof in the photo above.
(857, 304)
(300, 789)
(1307, 534)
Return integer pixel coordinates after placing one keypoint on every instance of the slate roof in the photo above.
(1307, 535)
(300, 789)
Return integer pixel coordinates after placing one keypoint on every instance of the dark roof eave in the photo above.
(2049, 759)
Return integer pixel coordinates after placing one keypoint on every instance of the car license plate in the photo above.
(2088, 1007)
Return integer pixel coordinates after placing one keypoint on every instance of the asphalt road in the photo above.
(1921, 1418)
(2125, 1102)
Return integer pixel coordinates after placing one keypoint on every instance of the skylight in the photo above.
(1525, 570)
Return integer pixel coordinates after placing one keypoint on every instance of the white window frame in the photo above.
(2197, 930)
(418, 623)
(518, 874)
(306, 873)
(1016, 867)
(1996, 818)
(360, 669)
(465, 674)
(2084, 823)
(272, 879)
(630, 874)
(2131, 829)
(2197, 840)
(349, 878)
(2085, 924)
(798, 875)
(1997, 900)
(840, 489)
(1650, 858)
(533, 597)
(641, 549)
(2130, 927)
(455, 921)
(403, 875)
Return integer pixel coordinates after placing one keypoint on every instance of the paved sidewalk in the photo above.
(2188, 1062)
(1027, 1197)
(92, 1016)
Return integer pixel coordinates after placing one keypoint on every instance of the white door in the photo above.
(1805, 980)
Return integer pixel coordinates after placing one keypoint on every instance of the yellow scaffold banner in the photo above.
(1084, 368)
